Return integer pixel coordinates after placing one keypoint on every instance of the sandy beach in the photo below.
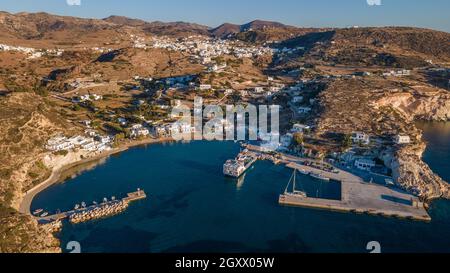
(55, 176)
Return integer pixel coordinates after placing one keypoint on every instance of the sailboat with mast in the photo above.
(294, 193)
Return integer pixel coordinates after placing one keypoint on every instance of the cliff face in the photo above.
(385, 108)
(432, 106)
(414, 175)
(406, 162)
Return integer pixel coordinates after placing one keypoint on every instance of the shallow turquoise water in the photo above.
(192, 207)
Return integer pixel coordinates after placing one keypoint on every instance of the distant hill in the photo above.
(261, 25)
(257, 31)
(386, 46)
(225, 30)
(42, 25)
(122, 20)
(160, 28)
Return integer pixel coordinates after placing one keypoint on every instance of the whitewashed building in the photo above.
(364, 164)
(402, 139)
(359, 137)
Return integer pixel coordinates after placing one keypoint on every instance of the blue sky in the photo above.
(307, 13)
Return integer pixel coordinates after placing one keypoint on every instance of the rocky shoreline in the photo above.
(413, 174)
(47, 242)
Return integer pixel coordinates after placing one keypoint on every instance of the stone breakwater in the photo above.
(99, 212)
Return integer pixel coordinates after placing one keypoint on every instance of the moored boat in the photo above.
(303, 171)
(294, 193)
(36, 212)
(319, 176)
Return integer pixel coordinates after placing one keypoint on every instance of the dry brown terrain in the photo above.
(35, 94)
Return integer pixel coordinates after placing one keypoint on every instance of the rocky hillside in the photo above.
(388, 46)
(385, 108)
(27, 122)
(259, 31)
(177, 29)
(45, 26)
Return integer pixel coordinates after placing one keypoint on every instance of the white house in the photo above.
(297, 99)
(275, 89)
(304, 110)
(122, 121)
(359, 137)
(401, 139)
(299, 128)
(59, 143)
(364, 164)
(259, 89)
(86, 123)
(228, 91)
(88, 145)
(205, 87)
(90, 132)
(206, 60)
(138, 130)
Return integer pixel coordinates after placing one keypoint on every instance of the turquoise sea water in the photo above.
(192, 207)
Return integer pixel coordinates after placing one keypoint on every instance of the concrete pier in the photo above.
(356, 195)
(360, 197)
(124, 202)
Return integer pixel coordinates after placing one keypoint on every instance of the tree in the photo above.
(298, 139)
(118, 138)
(347, 141)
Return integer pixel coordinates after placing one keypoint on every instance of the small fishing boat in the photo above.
(36, 212)
(389, 182)
(77, 207)
(303, 171)
(83, 204)
(319, 176)
(44, 214)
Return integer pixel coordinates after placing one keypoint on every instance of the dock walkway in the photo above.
(133, 196)
(356, 195)
(360, 197)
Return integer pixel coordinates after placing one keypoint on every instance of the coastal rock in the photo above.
(430, 106)
(414, 175)
(388, 108)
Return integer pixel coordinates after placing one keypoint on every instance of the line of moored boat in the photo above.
(101, 211)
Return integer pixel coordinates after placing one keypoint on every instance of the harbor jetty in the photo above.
(357, 195)
(96, 211)
(361, 197)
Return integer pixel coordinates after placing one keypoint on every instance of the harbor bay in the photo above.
(223, 214)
